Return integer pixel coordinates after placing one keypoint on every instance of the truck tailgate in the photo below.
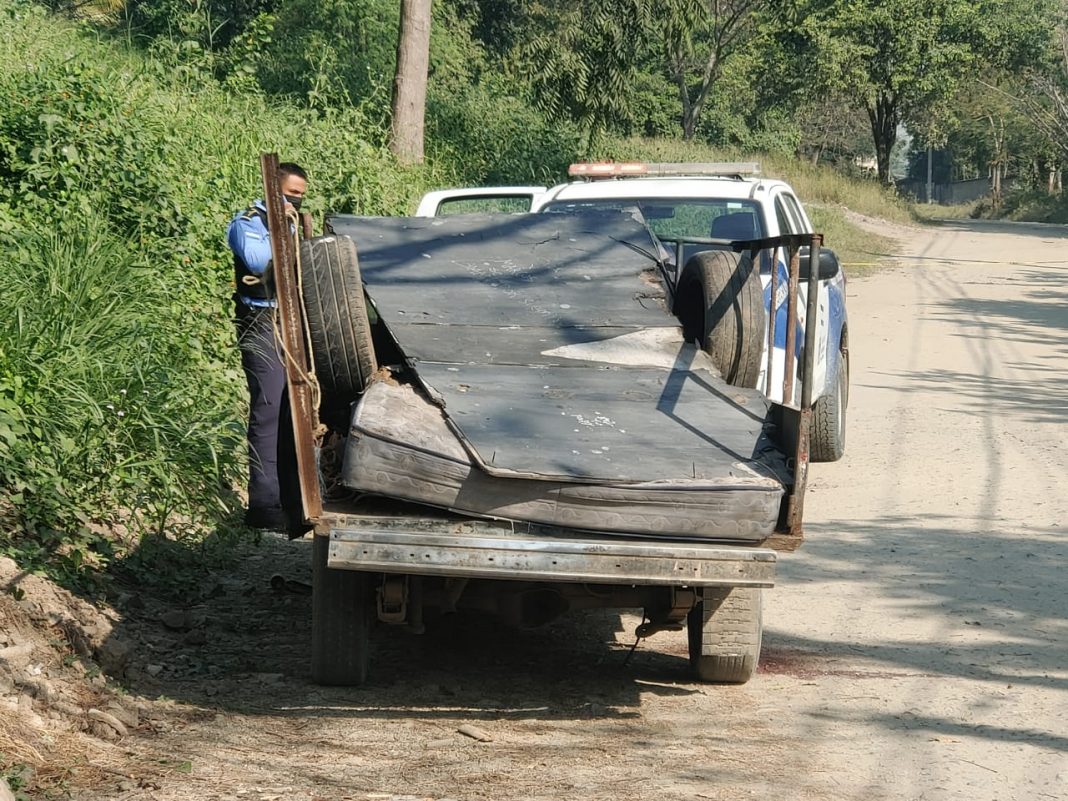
(538, 553)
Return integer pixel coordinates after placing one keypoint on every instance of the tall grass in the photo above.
(107, 420)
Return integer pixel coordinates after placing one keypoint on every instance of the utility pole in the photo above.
(930, 183)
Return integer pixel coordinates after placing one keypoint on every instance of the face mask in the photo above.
(293, 201)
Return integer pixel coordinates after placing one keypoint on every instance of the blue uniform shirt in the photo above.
(250, 241)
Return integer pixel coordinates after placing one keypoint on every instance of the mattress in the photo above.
(401, 445)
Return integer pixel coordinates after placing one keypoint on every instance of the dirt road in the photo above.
(933, 588)
(916, 647)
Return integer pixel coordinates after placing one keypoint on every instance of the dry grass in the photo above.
(18, 738)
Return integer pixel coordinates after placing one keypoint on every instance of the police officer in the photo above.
(261, 357)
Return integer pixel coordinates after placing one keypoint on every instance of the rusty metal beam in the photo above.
(295, 355)
(796, 498)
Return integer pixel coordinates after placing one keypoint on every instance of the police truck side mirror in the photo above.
(828, 266)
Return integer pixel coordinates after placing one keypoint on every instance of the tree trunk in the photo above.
(687, 118)
(409, 87)
(930, 171)
(692, 107)
(689, 127)
(884, 119)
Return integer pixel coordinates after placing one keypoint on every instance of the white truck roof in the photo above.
(675, 187)
(635, 181)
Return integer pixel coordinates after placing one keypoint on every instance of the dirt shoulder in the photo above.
(915, 647)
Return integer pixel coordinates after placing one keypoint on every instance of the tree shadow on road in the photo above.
(1038, 230)
(1039, 316)
(1044, 401)
(1007, 583)
(1034, 389)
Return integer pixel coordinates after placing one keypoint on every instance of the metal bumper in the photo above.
(593, 560)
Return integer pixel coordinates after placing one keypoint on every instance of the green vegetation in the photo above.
(926, 212)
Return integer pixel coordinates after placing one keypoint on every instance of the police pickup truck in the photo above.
(609, 403)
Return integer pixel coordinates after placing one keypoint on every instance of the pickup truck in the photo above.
(529, 414)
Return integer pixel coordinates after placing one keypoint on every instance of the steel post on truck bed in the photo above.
(492, 553)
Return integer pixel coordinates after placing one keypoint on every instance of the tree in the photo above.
(904, 61)
(331, 53)
(989, 136)
(1045, 100)
(897, 59)
(409, 85)
(699, 36)
(581, 58)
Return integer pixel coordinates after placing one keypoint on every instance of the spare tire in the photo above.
(720, 303)
(336, 313)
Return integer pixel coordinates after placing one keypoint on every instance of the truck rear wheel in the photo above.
(828, 430)
(342, 608)
(720, 303)
(725, 630)
(338, 326)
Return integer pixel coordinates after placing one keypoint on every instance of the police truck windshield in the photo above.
(671, 218)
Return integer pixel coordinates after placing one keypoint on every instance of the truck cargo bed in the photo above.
(546, 380)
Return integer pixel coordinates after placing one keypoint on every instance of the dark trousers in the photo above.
(261, 358)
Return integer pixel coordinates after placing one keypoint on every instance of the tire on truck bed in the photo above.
(720, 302)
(725, 630)
(342, 615)
(336, 314)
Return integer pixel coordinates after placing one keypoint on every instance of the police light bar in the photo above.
(622, 169)
(606, 169)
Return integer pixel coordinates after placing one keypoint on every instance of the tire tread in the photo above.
(720, 302)
(338, 325)
(827, 432)
(725, 631)
(341, 621)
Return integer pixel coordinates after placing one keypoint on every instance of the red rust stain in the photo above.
(805, 665)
